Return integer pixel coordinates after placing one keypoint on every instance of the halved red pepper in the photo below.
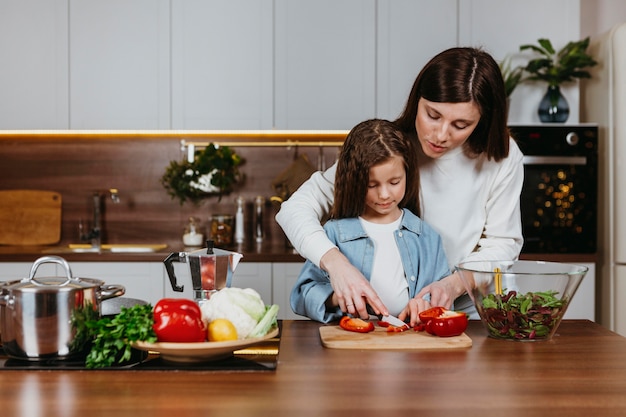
(442, 322)
(353, 324)
(178, 320)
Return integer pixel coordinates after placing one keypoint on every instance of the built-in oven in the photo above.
(559, 201)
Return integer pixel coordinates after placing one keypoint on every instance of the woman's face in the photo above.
(442, 127)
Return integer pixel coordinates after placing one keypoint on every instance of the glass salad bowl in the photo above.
(521, 300)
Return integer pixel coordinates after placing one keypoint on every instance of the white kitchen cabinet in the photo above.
(249, 64)
(583, 305)
(222, 63)
(34, 70)
(119, 64)
(273, 281)
(325, 63)
(255, 275)
(519, 23)
(11, 271)
(142, 280)
(285, 275)
(409, 33)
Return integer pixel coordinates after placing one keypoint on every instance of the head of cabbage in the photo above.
(244, 308)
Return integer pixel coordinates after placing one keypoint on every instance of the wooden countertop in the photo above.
(581, 372)
(265, 252)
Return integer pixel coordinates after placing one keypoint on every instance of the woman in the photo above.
(471, 178)
(373, 224)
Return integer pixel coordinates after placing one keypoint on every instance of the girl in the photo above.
(373, 225)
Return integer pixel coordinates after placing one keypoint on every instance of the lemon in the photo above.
(221, 330)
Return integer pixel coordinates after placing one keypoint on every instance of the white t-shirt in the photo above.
(388, 279)
(472, 203)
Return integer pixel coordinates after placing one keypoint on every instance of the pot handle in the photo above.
(111, 291)
(50, 259)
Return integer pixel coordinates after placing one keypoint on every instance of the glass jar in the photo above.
(222, 229)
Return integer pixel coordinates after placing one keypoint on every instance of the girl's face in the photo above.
(442, 127)
(385, 190)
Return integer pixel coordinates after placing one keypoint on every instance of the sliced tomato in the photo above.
(356, 325)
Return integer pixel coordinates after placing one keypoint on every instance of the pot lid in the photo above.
(50, 284)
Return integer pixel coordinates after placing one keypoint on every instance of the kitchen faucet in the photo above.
(95, 234)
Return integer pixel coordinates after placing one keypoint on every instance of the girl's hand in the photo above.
(352, 291)
(443, 292)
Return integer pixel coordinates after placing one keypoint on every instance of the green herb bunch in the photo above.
(512, 75)
(110, 339)
(557, 67)
(214, 171)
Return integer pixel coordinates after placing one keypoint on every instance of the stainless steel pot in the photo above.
(36, 314)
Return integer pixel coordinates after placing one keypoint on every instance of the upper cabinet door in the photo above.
(410, 32)
(502, 26)
(119, 64)
(222, 56)
(34, 69)
(325, 67)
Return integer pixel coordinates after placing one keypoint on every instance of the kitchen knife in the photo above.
(394, 321)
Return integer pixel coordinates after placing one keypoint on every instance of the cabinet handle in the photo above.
(555, 160)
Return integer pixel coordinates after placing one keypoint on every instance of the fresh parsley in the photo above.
(110, 338)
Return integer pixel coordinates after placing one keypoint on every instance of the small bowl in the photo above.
(521, 300)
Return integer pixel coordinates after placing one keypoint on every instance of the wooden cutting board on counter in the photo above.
(335, 337)
(30, 217)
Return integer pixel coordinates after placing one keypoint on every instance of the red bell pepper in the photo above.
(178, 320)
(391, 328)
(441, 322)
(356, 324)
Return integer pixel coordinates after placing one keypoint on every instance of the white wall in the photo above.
(598, 16)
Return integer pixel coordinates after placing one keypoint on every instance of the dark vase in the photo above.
(553, 107)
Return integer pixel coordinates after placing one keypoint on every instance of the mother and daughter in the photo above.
(448, 159)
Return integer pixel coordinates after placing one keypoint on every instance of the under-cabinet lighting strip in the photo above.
(191, 147)
(251, 137)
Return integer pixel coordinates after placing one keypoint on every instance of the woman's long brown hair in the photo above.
(462, 75)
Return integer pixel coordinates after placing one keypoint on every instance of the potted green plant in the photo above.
(556, 68)
(512, 76)
(213, 172)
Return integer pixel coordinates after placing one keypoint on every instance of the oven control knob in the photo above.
(572, 138)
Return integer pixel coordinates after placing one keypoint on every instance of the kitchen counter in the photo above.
(265, 252)
(581, 372)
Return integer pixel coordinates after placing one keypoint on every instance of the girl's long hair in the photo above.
(368, 144)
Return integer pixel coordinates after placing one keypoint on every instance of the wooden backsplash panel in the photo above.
(78, 167)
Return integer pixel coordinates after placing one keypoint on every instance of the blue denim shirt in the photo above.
(421, 251)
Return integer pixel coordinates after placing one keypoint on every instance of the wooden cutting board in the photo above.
(30, 217)
(336, 338)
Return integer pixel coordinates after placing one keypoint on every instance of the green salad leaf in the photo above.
(522, 316)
